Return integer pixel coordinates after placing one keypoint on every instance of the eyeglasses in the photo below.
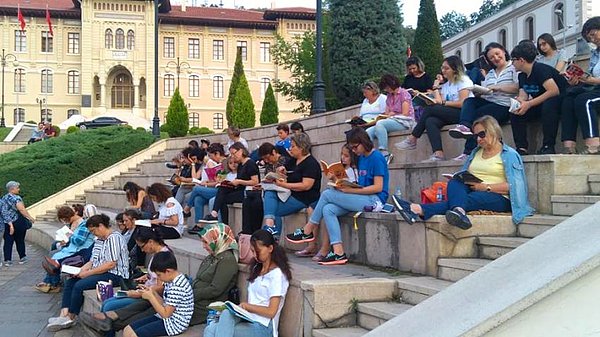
(480, 134)
(354, 147)
(515, 58)
(142, 245)
(233, 153)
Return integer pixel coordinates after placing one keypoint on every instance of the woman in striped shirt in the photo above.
(109, 262)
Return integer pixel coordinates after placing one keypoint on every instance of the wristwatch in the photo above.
(488, 188)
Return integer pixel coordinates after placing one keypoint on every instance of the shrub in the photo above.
(58, 130)
(205, 131)
(164, 128)
(177, 116)
(194, 131)
(269, 113)
(72, 129)
(240, 108)
(164, 135)
(51, 166)
(31, 122)
(139, 128)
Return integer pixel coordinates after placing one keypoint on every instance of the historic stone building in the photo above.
(100, 59)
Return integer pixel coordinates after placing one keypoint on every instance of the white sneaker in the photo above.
(406, 144)
(462, 157)
(53, 319)
(433, 158)
(60, 324)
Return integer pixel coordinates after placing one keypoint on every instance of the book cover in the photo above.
(464, 176)
(239, 311)
(478, 89)
(63, 234)
(272, 176)
(70, 269)
(337, 169)
(143, 223)
(343, 183)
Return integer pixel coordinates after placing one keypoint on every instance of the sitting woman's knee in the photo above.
(128, 332)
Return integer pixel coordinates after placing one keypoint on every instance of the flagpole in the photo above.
(47, 69)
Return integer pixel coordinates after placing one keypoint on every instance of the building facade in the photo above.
(100, 59)
(526, 20)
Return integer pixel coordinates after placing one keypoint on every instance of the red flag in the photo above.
(408, 51)
(49, 21)
(20, 17)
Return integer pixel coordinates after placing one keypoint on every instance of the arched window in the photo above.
(502, 37)
(119, 39)
(559, 16)
(19, 80)
(72, 112)
(169, 85)
(218, 87)
(130, 39)
(478, 48)
(218, 121)
(264, 85)
(108, 39)
(194, 119)
(19, 115)
(73, 86)
(529, 29)
(194, 86)
(47, 79)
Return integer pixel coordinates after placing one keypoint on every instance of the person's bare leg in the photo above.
(128, 332)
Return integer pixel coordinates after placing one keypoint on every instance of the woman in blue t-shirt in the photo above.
(373, 176)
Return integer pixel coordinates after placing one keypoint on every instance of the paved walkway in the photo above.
(24, 311)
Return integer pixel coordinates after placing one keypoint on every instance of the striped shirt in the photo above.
(507, 76)
(179, 294)
(114, 248)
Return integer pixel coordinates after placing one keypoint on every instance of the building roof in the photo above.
(297, 13)
(216, 16)
(57, 8)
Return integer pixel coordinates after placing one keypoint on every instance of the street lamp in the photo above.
(156, 120)
(318, 102)
(178, 66)
(5, 57)
(40, 101)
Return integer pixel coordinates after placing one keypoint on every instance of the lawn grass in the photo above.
(4, 132)
(45, 168)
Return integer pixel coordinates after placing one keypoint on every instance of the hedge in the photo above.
(45, 168)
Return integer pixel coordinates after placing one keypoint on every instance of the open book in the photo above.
(477, 89)
(272, 176)
(239, 311)
(343, 183)
(143, 223)
(70, 269)
(359, 121)
(225, 183)
(337, 169)
(464, 176)
(574, 70)
(218, 306)
(63, 234)
(421, 97)
(514, 105)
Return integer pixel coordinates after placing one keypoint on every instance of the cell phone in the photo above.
(121, 293)
(387, 208)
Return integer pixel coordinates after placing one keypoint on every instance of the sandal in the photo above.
(304, 253)
(43, 287)
(55, 289)
(318, 257)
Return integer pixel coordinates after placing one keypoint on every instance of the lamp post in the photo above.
(5, 57)
(156, 120)
(178, 66)
(318, 102)
(40, 101)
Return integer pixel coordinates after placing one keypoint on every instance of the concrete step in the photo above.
(572, 204)
(535, 225)
(594, 182)
(340, 332)
(454, 269)
(414, 290)
(107, 198)
(372, 314)
(154, 166)
(492, 247)
(141, 179)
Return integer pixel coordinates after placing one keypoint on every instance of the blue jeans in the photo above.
(275, 208)
(475, 107)
(461, 195)
(150, 326)
(330, 207)
(115, 303)
(73, 291)
(199, 197)
(380, 131)
(230, 325)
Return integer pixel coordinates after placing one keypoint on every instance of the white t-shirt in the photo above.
(370, 111)
(449, 91)
(352, 174)
(272, 284)
(165, 212)
(231, 142)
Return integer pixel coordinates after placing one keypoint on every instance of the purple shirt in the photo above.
(394, 102)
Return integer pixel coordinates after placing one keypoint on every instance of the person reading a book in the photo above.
(374, 103)
(418, 81)
(373, 179)
(109, 262)
(193, 159)
(79, 242)
(302, 177)
(269, 279)
(173, 308)
(137, 257)
(581, 105)
(549, 54)
(170, 213)
(399, 114)
(500, 186)
(232, 191)
(540, 94)
(503, 83)
(206, 190)
(446, 110)
(138, 199)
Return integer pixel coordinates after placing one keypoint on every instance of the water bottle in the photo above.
(439, 196)
(212, 317)
(398, 192)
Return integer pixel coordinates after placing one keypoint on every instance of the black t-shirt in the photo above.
(422, 83)
(540, 73)
(246, 171)
(308, 168)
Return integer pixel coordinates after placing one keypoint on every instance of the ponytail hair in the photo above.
(278, 255)
(145, 234)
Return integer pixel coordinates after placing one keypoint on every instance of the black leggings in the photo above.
(167, 232)
(433, 119)
(549, 112)
(18, 238)
(227, 196)
(582, 109)
(252, 212)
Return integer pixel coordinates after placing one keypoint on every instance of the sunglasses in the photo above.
(480, 134)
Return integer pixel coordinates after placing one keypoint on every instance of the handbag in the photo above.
(429, 194)
(74, 261)
(246, 252)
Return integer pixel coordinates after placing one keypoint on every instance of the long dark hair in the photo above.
(132, 190)
(549, 39)
(278, 255)
(145, 234)
(359, 136)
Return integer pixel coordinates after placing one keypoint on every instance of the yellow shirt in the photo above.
(490, 170)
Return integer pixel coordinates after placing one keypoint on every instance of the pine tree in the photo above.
(242, 112)
(237, 70)
(178, 122)
(269, 113)
(428, 44)
(365, 42)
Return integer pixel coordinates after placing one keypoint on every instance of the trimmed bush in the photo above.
(177, 116)
(194, 131)
(205, 131)
(58, 130)
(140, 128)
(72, 129)
(269, 113)
(48, 167)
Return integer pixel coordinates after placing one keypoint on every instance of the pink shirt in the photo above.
(394, 102)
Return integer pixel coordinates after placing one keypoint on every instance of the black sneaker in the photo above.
(299, 237)
(546, 150)
(334, 259)
(523, 152)
(211, 218)
(171, 166)
(403, 208)
(187, 214)
(273, 230)
(458, 219)
(195, 230)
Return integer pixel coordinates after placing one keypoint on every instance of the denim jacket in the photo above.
(517, 182)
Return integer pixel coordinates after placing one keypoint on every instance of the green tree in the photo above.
(452, 23)
(487, 9)
(235, 79)
(429, 46)
(409, 35)
(243, 114)
(269, 114)
(365, 42)
(178, 121)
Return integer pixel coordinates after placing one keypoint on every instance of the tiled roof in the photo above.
(299, 13)
(39, 4)
(214, 13)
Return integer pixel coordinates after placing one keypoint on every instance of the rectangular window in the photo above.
(73, 43)
(20, 41)
(194, 48)
(194, 86)
(47, 78)
(169, 85)
(243, 46)
(47, 42)
(265, 52)
(218, 87)
(73, 87)
(218, 50)
(19, 80)
(169, 47)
